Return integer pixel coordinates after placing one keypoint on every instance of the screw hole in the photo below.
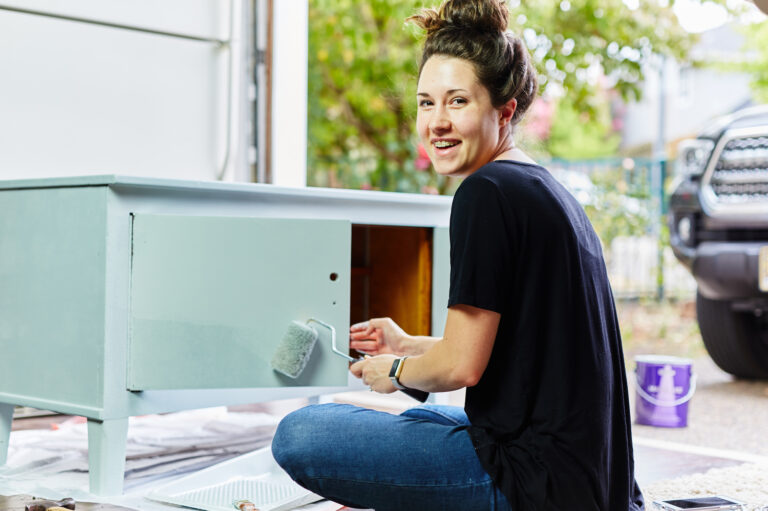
(334, 276)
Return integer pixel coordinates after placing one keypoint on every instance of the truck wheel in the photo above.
(737, 341)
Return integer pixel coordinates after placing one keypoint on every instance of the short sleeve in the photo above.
(481, 246)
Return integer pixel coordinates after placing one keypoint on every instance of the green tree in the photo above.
(579, 135)
(363, 63)
(362, 66)
(757, 62)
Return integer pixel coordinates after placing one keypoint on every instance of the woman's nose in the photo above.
(439, 122)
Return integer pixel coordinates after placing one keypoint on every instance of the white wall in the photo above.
(207, 18)
(82, 98)
(78, 98)
(289, 93)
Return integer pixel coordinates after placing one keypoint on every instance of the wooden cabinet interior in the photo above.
(392, 276)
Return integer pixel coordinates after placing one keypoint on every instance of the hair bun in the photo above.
(476, 31)
(480, 15)
(487, 15)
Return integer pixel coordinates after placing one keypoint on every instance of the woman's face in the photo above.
(456, 121)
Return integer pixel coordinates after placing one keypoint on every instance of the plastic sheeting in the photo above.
(53, 464)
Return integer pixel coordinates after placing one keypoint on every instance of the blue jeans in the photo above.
(422, 459)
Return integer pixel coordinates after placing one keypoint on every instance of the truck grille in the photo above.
(738, 174)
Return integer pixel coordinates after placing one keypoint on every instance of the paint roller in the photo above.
(292, 354)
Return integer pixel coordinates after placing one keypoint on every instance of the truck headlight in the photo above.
(692, 156)
(685, 229)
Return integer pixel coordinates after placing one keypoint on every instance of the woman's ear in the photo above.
(506, 112)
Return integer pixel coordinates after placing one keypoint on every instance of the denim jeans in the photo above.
(422, 459)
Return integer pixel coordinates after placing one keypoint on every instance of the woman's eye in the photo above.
(459, 101)
(425, 102)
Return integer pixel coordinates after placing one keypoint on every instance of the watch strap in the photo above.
(395, 371)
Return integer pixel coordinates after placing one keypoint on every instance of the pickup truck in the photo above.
(718, 220)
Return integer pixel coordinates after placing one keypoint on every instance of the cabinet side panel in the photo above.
(441, 278)
(52, 296)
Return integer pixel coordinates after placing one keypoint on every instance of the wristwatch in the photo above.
(395, 371)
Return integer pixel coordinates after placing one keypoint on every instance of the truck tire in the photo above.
(737, 341)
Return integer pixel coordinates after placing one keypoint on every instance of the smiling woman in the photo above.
(472, 91)
(530, 331)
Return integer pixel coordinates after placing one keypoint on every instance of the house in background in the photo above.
(690, 96)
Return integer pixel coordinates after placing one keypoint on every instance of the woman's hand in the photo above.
(374, 372)
(377, 336)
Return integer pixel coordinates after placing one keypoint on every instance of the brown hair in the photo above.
(476, 31)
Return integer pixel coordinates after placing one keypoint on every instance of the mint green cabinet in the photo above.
(124, 296)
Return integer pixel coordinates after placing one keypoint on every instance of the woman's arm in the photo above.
(458, 360)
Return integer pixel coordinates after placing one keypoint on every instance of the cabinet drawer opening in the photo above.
(392, 276)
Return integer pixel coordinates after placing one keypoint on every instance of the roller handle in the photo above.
(418, 395)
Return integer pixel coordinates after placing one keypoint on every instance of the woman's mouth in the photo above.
(445, 146)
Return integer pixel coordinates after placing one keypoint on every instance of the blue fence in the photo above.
(626, 202)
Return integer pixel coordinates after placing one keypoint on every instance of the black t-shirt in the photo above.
(550, 415)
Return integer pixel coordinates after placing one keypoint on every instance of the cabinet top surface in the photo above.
(152, 183)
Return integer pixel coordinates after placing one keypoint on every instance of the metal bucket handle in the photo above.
(687, 397)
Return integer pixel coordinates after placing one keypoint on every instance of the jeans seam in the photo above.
(448, 417)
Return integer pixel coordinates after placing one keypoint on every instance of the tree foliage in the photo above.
(757, 46)
(363, 64)
(362, 86)
(578, 135)
(578, 43)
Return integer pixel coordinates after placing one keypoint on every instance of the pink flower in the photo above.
(540, 118)
(422, 161)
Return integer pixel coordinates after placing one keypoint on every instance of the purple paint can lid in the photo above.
(663, 360)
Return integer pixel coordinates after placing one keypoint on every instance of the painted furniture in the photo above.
(123, 296)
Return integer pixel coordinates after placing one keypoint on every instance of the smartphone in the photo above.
(700, 503)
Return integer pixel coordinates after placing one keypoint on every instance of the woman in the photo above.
(531, 329)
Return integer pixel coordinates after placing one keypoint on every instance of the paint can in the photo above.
(664, 385)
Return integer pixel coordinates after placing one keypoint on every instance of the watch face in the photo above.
(393, 369)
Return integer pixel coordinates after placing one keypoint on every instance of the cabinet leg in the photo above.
(106, 455)
(6, 420)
